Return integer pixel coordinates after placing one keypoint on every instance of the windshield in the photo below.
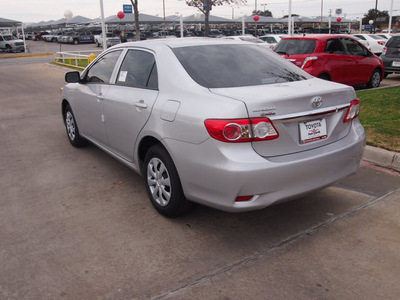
(394, 42)
(218, 66)
(295, 46)
(9, 37)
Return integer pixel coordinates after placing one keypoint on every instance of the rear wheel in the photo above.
(76, 42)
(324, 77)
(375, 79)
(163, 184)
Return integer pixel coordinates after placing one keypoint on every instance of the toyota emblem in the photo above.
(316, 102)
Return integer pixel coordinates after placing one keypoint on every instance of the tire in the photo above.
(375, 79)
(8, 48)
(386, 75)
(324, 77)
(97, 44)
(76, 42)
(72, 129)
(163, 184)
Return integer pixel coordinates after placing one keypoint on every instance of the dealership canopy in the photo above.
(9, 23)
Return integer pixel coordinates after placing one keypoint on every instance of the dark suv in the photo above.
(391, 55)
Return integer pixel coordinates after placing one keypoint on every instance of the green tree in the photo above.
(205, 6)
(264, 13)
(371, 15)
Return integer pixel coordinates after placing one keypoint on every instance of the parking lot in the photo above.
(76, 224)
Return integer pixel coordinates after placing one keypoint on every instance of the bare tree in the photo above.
(136, 13)
(205, 7)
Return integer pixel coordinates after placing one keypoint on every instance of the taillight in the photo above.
(353, 111)
(382, 43)
(309, 61)
(241, 130)
(384, 51)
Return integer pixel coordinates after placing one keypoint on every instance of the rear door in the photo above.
(128, 103)
(359, 69)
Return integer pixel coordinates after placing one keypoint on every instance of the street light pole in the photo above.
(376, 13)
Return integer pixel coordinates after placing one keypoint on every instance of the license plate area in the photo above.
(396, 63)
(312, 131)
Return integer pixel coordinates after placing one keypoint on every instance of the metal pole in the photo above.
(376, 12)
(290, 17)
(181, 23)
(103, 25)
(322, 11)
(165, 29)
(390, 16)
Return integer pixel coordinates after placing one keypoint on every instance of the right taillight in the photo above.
(353, 111)
(384, 51)
(309, 61)
(241, 130)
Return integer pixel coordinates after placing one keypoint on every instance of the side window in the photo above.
(102, 70)
(138, 70)
(334, 46)
(354, 48)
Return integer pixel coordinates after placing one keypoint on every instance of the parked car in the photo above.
(10, 43)
(376, 43)
(77, 37)
(53, 36)
(272, 39)
(202, 124)
(38, 35)
(333, 57)
(391, 55)
(111, 39)
(131, 37)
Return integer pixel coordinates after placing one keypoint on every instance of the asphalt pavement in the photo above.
(76, 224)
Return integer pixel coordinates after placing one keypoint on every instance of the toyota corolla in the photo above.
(222, 123)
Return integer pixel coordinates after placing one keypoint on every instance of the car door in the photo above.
(90, 96)
(335, 61)
(359, 68)
(128, 103)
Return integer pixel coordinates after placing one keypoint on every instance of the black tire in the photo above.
(8, 48)
(72, 129)
(375, 79)
(163, 184)
(76, 42)
(324, 77)
(386, 75)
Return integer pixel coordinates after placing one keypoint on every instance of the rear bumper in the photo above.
(216, 175)
(388, 63)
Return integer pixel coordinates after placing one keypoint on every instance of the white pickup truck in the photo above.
(10, 43)
(111, 39)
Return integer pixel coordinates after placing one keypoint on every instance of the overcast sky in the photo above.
(46, 10)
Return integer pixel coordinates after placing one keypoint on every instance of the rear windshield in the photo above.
(394, 42)
(218, 66)
(295, 46)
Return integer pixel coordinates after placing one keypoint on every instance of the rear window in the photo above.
(295, 46)
(218, 66)
(394, 42)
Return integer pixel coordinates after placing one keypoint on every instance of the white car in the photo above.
(219, 122)
(272, 39)
(375, 43)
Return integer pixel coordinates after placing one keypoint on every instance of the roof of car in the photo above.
(317, 36)
(179, 42)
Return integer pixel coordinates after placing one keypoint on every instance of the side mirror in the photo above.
(72, 77)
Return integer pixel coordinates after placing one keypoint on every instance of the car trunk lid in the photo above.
(296, 109)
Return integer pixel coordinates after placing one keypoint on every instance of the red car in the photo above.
(338, 58)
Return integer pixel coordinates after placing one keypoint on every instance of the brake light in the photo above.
(384, 51)
(381, 43)
(309, 61)
(353, 111)
(241, 130)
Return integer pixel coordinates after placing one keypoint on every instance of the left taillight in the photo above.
(309, 61)
(353, 111)
(241, 130)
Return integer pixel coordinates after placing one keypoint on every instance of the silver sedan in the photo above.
(222, 123)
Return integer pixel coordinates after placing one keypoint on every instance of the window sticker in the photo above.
(122, 76)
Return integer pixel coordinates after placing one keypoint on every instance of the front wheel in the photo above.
(72, 129)
(163, 184)
(375, 79)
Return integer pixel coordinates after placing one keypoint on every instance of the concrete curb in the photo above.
(382, 157)
(24, 55)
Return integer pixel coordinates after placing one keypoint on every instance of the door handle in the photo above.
(140, 104)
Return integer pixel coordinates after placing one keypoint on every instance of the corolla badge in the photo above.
(316, 102)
